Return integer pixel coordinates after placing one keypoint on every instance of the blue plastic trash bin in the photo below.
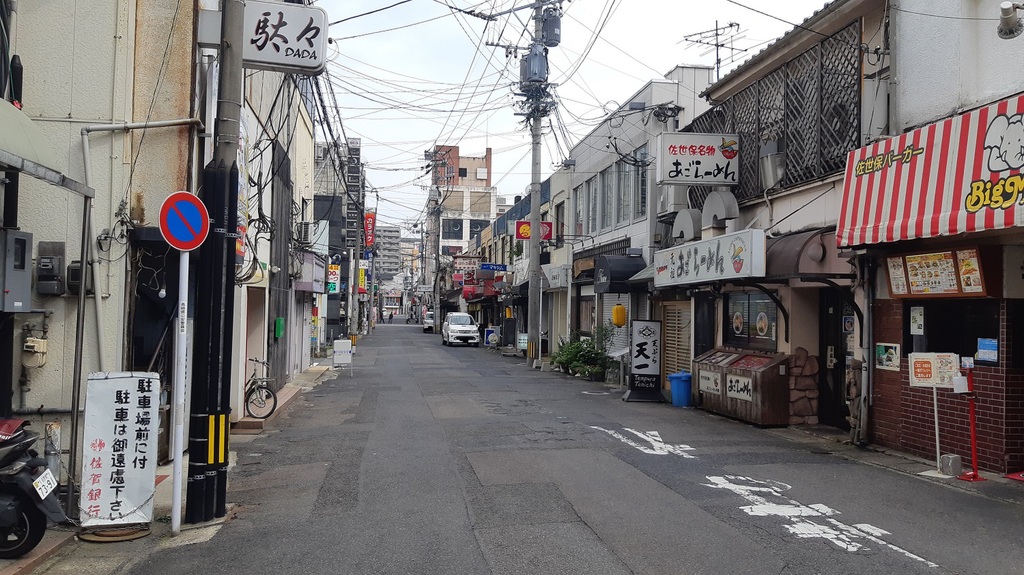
(681, 388)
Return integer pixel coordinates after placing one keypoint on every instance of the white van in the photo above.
(428, 322)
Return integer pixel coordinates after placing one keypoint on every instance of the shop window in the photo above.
(951, 326)
(640, 182)
(751, 321)
(586, 317)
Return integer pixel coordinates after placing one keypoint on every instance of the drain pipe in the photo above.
(94, 263)
(87, 236)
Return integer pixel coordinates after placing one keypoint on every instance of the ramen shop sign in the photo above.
(731, 256)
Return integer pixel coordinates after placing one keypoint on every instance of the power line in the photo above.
(399, 3)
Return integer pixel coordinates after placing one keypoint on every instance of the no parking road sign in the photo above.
(184, 221)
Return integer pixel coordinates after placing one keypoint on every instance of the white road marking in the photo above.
(766, 499)
(657, 446)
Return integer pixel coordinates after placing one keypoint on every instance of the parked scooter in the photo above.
(28, 491)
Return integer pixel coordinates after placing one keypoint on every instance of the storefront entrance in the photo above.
(837, 333)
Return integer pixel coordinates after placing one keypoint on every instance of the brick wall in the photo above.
(902, 416)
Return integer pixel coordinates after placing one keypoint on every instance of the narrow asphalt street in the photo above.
(438, 460)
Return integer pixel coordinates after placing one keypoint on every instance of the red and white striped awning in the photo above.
(955, 176)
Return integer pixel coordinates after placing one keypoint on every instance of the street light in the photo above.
(1010, 25)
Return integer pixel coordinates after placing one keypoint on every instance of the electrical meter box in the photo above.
(16, 271)
(49, 274)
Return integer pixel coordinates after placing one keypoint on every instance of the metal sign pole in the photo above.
(180, 343)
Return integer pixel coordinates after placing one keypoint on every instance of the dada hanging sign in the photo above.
(290, 38)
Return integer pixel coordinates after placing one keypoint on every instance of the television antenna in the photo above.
(717, 38)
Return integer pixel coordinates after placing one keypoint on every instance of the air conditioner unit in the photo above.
(306, 230)
(672, 199)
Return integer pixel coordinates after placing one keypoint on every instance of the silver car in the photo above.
(460, 327)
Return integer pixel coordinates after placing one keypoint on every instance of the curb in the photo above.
(52, 542)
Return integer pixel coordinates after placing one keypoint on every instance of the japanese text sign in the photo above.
(333, 278)
(119, 448)
(739, 387)
(645, 355)
(370, 227)
(737, 255)
(933, 369)
(289, 38)
(700, 159)
(958, 175)
(466, 263)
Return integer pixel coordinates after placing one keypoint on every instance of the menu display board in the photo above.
(752, 322)
(937, 274)
(969, 271)
(897, 276)
(932, 274)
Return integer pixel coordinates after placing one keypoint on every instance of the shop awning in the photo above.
(581, 266)
(643, 276)
(958, 175)
(612, 273)
(362, 290)
(24, 148)
(805, 254)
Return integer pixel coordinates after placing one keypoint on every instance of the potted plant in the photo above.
(567, 356)
(589, 361)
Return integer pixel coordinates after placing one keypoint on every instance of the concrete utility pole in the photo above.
(538, 105)
(211, 375)
(534, 86)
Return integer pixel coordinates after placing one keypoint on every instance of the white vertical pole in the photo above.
(180, 343)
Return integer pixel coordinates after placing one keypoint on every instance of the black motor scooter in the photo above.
(28, 491)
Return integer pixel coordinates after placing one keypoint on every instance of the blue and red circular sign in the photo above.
(184, 221)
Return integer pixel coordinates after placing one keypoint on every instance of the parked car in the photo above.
(428, 321)
(460, 327)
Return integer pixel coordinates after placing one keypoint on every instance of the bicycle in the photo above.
(260, 400)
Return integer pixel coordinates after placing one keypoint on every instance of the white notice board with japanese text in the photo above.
(119, 448)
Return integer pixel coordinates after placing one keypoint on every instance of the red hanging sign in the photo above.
(369, 227)
(523, 230)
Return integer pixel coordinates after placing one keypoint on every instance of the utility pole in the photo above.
(546, 33)
(435, 213)
(206, 494)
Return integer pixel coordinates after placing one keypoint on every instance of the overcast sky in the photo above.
(417, 73)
